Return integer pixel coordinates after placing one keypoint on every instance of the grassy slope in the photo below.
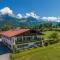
(47, 33)
(51, 52)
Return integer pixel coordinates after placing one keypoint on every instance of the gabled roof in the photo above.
(14, 32)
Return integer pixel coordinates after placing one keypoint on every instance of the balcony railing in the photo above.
(27, 39)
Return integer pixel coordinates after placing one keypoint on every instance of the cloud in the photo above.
(50, 18)
(32, 14)
(58, 19)
(44, 18)
(19, 16)
(6, 10)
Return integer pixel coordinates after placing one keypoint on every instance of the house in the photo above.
(21, 38)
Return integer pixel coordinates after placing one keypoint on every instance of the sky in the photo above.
(40, 7)
(45, 9)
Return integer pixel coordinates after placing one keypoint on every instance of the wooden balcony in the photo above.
(27, 39)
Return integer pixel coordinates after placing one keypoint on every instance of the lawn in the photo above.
(47, 33)
(51, 52)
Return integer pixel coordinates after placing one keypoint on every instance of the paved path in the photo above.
(4, 52)
(5, 57)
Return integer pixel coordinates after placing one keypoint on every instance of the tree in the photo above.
(6, 27)
(53, 38)
(58, 24)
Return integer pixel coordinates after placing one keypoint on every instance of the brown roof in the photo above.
(14, 32)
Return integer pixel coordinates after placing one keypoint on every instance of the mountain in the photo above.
(8, 19)
(15, 22)
(30, 21)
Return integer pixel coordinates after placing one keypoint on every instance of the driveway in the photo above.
(4, 52)
(5, 57)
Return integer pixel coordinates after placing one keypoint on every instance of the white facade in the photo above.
(8, 42)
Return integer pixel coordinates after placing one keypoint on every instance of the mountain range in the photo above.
(29, 21)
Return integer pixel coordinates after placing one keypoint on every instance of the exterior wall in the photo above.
(8, 42)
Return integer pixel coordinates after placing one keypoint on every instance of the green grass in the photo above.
(47, 33)
(51, 52)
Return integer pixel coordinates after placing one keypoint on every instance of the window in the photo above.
(29, 39)
(19, 40)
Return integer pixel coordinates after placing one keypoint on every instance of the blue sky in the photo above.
(40, 7)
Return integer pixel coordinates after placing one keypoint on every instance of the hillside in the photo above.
(23, 22)
(51, 52)
(30, 21)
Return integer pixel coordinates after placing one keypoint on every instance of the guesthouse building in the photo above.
(21, 38)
